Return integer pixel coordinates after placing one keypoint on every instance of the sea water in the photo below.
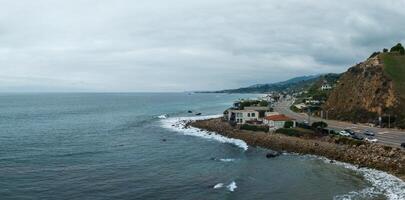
(135, 146)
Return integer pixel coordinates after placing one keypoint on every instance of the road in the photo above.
(391, 137)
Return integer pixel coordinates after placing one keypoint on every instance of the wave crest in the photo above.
(178, 124)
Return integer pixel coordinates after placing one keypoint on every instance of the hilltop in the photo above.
(372, 89)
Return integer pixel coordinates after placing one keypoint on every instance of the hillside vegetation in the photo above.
(395, 69)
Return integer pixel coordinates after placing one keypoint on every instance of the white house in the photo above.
(243, 116)
(277, 121)
(326, 87)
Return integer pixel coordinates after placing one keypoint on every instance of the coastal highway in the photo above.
(391, 137)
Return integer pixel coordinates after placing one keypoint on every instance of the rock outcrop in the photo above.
(364, 93)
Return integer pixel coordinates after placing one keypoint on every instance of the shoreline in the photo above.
(374, 156)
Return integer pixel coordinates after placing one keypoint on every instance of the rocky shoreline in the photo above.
(376, 156)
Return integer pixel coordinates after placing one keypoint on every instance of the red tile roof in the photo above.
(278, 118)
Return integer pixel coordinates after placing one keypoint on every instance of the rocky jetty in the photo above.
(376, 156)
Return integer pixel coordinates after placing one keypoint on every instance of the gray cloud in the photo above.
(157, 45)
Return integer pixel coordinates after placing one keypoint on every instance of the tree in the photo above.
(374, 54)
(263, 103)
(398, 48)
(385, 50)
(288, 124)
(319, 125)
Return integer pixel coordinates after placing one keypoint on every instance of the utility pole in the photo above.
(309, 115)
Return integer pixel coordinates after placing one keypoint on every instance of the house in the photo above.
(242, 116)
(301, 106)
(312, 102)
(261, 109)
(277, 121)
(326, 87)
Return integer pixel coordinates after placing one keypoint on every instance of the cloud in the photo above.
(157, 45)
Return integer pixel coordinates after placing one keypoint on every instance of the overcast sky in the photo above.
(180, 45)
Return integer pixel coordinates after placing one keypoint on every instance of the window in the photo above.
(248, 114)
(253, 114)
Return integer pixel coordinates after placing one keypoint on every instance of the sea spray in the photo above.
(179, 124)
(382, 183)
(232, 186)
(219, 185)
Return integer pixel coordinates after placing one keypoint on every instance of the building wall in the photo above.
(242, 117)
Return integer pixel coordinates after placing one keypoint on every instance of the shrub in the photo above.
(288, 124)
(295, 109)
(398, 48)
(290, 132)
(303, 125)
(348, 141)
(320, 124)
(385, 50)
(263, 103)
(374, 54)
(254, 128)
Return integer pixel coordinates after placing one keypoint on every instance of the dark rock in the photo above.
(189, 111)
(198, 114)
(164, 140)
(272, 154)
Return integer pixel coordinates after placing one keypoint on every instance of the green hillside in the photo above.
(395, 69)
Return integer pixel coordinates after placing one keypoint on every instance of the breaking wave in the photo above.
(178, 124)
(219, 185)
(382, 183)
(226, 159)
(232, 186)
(162, 116)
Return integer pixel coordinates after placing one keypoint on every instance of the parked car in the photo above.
(351, 132)
(369, 133)
(344, 133)
(357, 137)
(403, 145)
(371, 140)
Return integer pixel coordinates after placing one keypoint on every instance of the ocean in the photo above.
(134, 146)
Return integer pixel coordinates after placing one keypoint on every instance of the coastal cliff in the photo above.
(369, 90)
(375, 156)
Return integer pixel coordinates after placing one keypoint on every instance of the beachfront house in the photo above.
(260, 109)
(277, 121)
(242, 116)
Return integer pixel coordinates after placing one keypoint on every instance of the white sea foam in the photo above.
(226, 159)
(219, 185)
(178, 124)
(232, 186)
(381, 182)
(162, 116)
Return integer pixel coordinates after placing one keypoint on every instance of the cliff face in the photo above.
(363, 93)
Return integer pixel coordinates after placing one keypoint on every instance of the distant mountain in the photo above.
(294, 84)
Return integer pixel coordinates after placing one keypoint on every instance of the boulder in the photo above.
(272, 154)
